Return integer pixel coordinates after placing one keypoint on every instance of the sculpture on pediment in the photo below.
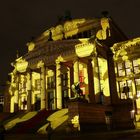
(50, 36)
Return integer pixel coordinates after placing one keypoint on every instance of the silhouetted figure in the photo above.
(24, 104)
(66, 99)
(77, 90)
(101, 97)
(126, 90)
(50, 36)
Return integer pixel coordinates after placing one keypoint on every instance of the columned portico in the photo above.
(84, 56)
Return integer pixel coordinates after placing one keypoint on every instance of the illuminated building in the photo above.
(127, 69)
(77, 50)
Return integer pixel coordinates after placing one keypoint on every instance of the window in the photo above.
(126, 69)
(128, 66)
(64, 79)
(50, 82)
(136, 67)
(138, 86)
(37, 84)
(121, 71)
(123, 85)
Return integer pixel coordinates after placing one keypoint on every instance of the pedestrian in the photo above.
(126, 90)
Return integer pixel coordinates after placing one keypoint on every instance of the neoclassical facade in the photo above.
(78, 50)
(127, 70)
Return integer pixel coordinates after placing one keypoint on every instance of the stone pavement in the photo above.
(110, 135)
(25, 137)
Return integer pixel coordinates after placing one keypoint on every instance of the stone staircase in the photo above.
(31, 125)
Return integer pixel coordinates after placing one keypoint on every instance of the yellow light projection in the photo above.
(68, 29)
(40, 64)
(35, 86)
(125, 52)
(105, 32)
(18, 119)
(96, 76)
(85, 48)
(75, 122)
(104, 81)
(31, 46)
(55, 120)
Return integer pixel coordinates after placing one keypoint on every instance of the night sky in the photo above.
(23, 19)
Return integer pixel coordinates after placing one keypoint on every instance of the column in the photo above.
(69, 84)
(46, 86)
(11, 91)
(16, 94)
(112, 79)
(134, 94)
(71, 80)
(105, 81)
(43, 87)
(76, 71)
(90, 82)
(96, 74)
(58, 85)
(29, 91)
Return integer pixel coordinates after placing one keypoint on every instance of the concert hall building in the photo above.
(93, 52)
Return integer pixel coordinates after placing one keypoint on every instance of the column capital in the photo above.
(59, 59)
(40, 64)
(76, 60)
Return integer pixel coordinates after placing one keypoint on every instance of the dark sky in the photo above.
(23, 19)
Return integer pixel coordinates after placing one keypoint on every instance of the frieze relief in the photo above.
(69, 28)
(51, 48)
(50, 52)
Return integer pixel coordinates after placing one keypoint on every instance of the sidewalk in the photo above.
(108, 135)
(112, 135)
(25, 137)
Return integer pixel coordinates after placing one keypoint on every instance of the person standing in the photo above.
(126, 90)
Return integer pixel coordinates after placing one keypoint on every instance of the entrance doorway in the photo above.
(65, 98)
(37, 102)
(51, 100)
